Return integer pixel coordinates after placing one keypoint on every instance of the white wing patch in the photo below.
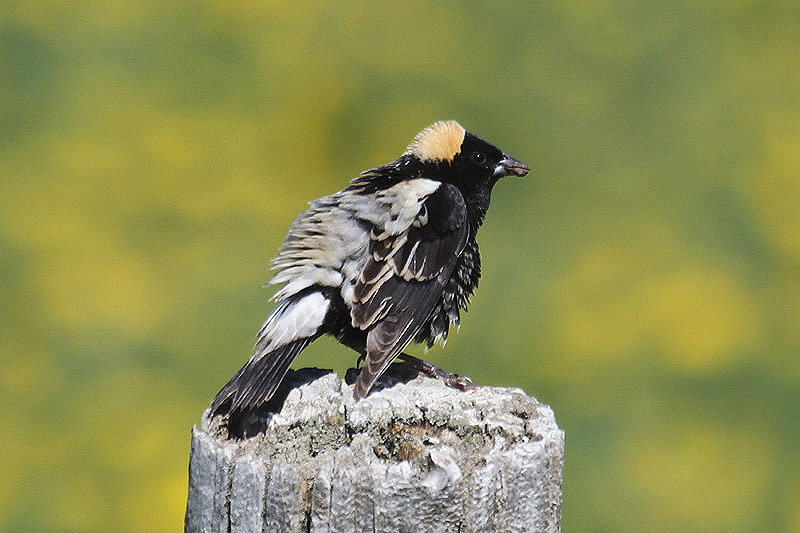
(320, 245)
(328, 244)
(292, 320)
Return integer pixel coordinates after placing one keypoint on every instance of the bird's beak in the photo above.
(508, 166)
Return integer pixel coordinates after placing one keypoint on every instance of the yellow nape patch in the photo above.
(440, 141)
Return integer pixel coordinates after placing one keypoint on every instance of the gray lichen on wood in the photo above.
(413, 456)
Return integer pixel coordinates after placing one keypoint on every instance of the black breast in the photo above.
(455, 296)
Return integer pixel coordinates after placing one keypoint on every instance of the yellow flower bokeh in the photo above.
(701, 474)
(644, 279)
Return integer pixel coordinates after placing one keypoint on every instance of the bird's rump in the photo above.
(289, 328)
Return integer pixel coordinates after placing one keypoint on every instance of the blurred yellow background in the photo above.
(644, 279)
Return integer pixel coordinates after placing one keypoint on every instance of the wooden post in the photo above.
(413, 456)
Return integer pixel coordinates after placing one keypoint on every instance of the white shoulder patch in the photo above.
(404, 202)
(440, 141)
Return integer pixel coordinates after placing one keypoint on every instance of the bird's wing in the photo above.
(404, 275)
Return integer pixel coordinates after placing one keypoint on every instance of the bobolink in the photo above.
(390, 258)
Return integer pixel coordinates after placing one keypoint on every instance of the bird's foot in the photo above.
(451, 380)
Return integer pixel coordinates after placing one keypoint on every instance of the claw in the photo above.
(459, 382)
(455, 381)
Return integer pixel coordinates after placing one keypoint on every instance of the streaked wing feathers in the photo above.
(404, 276)
(424, 251)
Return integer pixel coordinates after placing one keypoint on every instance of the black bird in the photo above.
(390, 259)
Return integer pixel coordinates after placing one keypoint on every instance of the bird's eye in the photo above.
(479, 158)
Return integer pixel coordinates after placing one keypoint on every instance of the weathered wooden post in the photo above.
(413, 456)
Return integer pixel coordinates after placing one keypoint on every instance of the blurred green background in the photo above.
(644, 280)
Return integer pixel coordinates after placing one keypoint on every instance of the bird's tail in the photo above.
(292, 325)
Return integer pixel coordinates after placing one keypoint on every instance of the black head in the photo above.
(452, 154)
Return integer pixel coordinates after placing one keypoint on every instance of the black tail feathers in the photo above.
(256, 382)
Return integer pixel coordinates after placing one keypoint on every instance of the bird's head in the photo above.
(453, 154)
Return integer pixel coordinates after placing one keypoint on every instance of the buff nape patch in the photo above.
(440, 141)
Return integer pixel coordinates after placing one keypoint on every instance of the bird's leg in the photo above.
(360, 360)
(431, 370)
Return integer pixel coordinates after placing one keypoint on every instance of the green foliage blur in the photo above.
(644, 279)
